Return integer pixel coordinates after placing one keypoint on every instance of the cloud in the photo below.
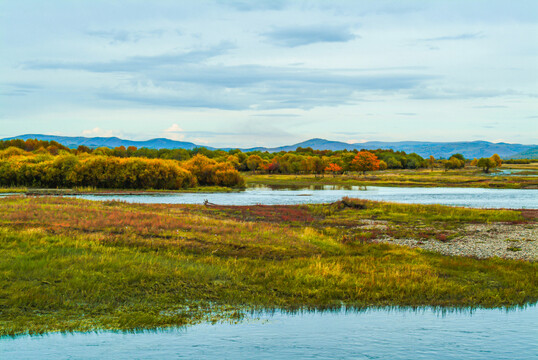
(293, 78)
(276, 115)
(249, 5)
(200, 141)
(304, 35)
(258, 87)
(464, 36)
(136, 63)
(98, 132)
(18, 89)
(490, 106)
(174, 132)
(428, 93)
(123, 36)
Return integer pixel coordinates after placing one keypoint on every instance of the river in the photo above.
(468, 197)
(371, 334)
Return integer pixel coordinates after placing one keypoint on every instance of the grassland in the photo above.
(408, 178)
(70, 264)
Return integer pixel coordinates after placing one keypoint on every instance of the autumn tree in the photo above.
(365, 161)
(455, 162)
(497, 159)
(431, 162)
(382, 165)
(318, 165)
(486, 164)
(201, 167)
(254, 162)
(333, 168)
(272, 167)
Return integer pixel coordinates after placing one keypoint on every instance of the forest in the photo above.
(36, 163)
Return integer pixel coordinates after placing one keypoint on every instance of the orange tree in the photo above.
(365, 161)
(333, 168)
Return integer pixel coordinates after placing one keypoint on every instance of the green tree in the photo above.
(486, 164)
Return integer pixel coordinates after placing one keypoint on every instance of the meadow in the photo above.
(77, 265)
(468, 177)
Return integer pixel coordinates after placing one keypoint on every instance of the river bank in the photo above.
(77, 265)
(468, 178)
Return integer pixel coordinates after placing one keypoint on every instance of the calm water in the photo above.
(515, 172)
(469, 197)
(374, 334)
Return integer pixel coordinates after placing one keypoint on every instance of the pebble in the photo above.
(504, 240)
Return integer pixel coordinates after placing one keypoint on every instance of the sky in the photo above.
(244, 73)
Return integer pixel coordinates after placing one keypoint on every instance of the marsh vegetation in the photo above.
(71, 264)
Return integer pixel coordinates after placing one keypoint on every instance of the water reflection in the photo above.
(366, 334)
(467, 197)
(514, 172)
(308, 187)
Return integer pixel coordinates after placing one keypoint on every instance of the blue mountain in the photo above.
(469, 149)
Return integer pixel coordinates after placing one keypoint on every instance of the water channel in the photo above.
(371, 334)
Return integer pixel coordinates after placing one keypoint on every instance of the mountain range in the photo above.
(469, 149)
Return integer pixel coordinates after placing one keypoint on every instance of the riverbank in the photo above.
(96, 191)
(71, 264)
(469, 178)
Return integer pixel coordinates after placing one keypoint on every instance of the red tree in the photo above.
(365, 161)
(333, 168)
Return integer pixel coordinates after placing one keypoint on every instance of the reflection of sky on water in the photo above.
(468, 197)
(371, 334)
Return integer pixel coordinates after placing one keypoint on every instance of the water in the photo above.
(514, 172)
(468, 197)
(374, 334)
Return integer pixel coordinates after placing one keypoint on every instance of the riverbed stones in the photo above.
(508, 241)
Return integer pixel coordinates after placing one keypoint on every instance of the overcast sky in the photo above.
(248, 73)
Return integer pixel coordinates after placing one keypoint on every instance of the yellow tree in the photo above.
(431, 162)
(497, 159)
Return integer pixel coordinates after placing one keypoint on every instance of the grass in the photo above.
(70, 264)
(531, 166)
(87, 190)
(13, 190)
(409, 178)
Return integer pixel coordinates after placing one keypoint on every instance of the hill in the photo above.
(111, 142)
(469, 149)
(528, 154)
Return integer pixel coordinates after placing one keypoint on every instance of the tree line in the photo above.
(50, 164)
(42, 169)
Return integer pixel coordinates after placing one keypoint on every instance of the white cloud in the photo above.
(98, 132)
(175, 132)
(200, 141)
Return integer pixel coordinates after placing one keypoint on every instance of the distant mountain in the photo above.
(528, 154)
(469, 149)
(111, 142)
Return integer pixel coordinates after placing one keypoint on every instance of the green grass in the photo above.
(408, 178)
(70, 264)
(411, 213)
(17, 190)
